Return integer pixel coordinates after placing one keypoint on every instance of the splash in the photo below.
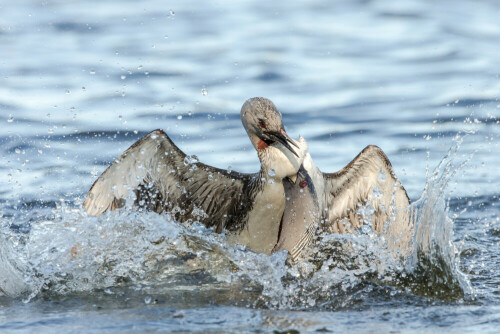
(433, 268)
(342, 268)
(146, 254)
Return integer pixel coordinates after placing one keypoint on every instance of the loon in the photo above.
(300, 219)
(250, 207)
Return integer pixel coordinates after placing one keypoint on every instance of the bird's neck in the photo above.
(278, 162)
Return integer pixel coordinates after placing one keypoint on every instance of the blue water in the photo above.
(81, 81)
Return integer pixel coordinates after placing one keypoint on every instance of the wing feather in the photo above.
(163, 179)
(366, 190)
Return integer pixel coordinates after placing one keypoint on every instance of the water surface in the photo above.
(81, 81)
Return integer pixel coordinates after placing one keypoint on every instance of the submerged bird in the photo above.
(300, 219)
(250, 206)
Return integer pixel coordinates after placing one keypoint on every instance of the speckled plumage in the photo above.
(163, 179)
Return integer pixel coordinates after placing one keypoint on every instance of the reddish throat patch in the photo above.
(262, 145)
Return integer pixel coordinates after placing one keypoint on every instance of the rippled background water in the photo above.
(81, 81)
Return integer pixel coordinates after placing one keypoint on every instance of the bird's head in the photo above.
(264, 124)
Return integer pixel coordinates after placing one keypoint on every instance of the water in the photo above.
(80, 82)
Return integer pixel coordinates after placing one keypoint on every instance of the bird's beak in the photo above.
(284, 139)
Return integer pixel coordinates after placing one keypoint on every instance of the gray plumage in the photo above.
(301, 216)
(163, 179)
(366, 191)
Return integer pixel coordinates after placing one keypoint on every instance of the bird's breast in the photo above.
(263, 220)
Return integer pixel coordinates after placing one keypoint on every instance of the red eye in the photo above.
(262, 124)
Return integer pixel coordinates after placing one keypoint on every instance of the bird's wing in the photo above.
(366, 190)
(163, 178)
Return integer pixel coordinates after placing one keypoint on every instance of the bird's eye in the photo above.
(262, 124)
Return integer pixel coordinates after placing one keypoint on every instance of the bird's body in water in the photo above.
(301, 216)
(249, 207)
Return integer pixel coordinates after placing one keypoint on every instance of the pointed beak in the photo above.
(284, 139)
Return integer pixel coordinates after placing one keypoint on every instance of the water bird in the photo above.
(250, 207)
(302, 219)
(301, 216)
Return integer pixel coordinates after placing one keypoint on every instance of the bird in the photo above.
(162, 178)
(154, 174)
(386, 210)
(301, 215)
(365, 192)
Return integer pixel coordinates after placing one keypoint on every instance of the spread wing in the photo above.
(162, 178)
(366, 190)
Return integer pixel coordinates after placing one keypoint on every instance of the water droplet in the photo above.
(18, 151)
(147, 300)
(50, 131)
(229, 169)
(376, 193)
(210, 177)
(179, 117)
(166, 36)
(10, 119)
(172, 13)
(204, 92)
(40, 151)
(92, 72)
(123, 77)
(67, 91)
(270, 181)
(139, 67)
(271, 172)
(381, 176)
(190, 159)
